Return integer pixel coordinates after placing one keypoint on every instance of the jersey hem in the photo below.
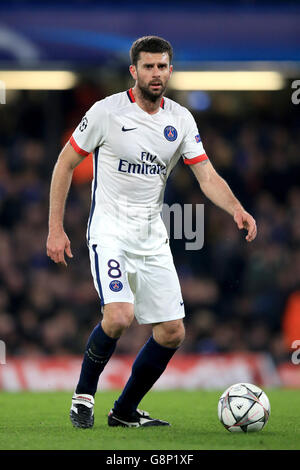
(158, 251)
(120, 299)
(162, 319)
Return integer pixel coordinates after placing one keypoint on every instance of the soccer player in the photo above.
(137, 137)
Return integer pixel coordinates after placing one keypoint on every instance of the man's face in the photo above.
(152, 74)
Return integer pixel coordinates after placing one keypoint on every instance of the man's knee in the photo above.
(170, 334)
(117, 317)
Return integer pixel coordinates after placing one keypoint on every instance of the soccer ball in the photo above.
(243, 407)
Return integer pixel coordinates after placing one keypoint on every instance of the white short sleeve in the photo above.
(90, 132)
(192, 150)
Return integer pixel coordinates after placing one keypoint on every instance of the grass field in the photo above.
(40, 421)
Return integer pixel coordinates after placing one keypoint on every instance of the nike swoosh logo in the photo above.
(181, 303)
(131, 129)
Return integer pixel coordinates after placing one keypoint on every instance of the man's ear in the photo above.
(132, 70)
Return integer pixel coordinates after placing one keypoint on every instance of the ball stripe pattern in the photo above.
(243, 408)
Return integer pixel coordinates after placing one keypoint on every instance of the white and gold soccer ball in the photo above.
(244, 407)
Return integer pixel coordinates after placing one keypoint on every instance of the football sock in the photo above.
(98, 351)
(148, 366)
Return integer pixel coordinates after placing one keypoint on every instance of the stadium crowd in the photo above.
(237, 295)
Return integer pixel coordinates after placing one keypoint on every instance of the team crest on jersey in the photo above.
(170, 133)
(116, 285)
(83, 124)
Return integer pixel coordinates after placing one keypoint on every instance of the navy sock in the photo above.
(148, 366)
(98, 351)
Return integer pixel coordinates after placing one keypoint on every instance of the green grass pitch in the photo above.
(41, 421)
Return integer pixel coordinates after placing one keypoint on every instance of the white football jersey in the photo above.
(133, 155)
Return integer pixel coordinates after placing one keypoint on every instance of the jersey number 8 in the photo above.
(114, 269)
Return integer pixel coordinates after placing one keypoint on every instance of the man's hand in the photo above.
(57, 244)
(244, 220)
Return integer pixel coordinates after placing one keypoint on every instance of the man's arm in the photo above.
(218, 191)
(58, 242)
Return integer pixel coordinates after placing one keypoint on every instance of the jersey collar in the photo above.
(132, 99)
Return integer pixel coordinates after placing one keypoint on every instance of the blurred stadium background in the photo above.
(242, 300)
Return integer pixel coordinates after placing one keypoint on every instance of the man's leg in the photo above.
(148, 366)
(117, 317)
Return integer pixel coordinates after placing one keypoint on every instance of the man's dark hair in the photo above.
(153, 44)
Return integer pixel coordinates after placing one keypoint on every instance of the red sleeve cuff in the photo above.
(77, 149)
(191, 161)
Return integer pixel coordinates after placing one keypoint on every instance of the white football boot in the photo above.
(82, 410)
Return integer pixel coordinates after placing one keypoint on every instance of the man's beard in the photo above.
(148, 95)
